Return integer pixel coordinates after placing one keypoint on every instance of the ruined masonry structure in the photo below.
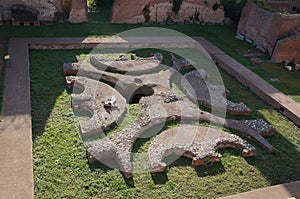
(73, 11)
(152, 91)
(139, 11)
(278, 34)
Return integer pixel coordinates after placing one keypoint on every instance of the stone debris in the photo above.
(289, 68)
(260, 126)
(262, 49)
(197, 145)
(111, 102)
(211, 96)
(255, 60)
(240, 36)
(250, 41)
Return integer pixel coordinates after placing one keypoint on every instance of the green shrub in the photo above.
(233, 9)
(104, 2)
(215, 6)
(146, 13)
(176, 5)
(67, 9)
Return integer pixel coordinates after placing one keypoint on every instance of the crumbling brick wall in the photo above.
(201, 11)
(75, 10)
(265, 28)
(287, 49)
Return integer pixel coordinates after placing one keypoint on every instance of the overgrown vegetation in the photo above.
(233, 9)
(67, 8)
(60, 164)
(215, 6)
(146, 13)
(99, 11)
(177, 5)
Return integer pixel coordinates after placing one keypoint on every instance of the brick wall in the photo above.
(48, 8)
(128, 11)
(287, 49)
(265, 28)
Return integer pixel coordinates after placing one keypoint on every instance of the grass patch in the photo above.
(61, 169)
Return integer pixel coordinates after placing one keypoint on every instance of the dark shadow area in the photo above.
(209, 169)
(159, 178)
(47, 83)
(99, 165)
(143, 91)
(129, 181)
(99, 11)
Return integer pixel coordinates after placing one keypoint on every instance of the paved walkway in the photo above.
(283, 191)
(2, 49)
(260, 87)
(16, 164)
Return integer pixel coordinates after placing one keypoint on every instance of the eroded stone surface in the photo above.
(198, 143)
(21, 12)
(197, 88)
(125, 65)
(93, 99)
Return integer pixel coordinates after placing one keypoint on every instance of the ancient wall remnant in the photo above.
(74, 11)
(287, 48)
(264, 28)
(286, 5)
(202, 11)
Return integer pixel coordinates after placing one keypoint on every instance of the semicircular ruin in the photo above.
(196, 142)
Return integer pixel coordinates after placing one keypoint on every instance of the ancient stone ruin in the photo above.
(73, 11)
(272, 32)
(187, 11)
(159, 104)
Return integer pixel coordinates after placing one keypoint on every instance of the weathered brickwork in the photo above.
(74, 11)
(127, 11)
(266, 28)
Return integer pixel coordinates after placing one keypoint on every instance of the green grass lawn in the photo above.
(61, 169)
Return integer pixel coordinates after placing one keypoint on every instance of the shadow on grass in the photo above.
(47, 84)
